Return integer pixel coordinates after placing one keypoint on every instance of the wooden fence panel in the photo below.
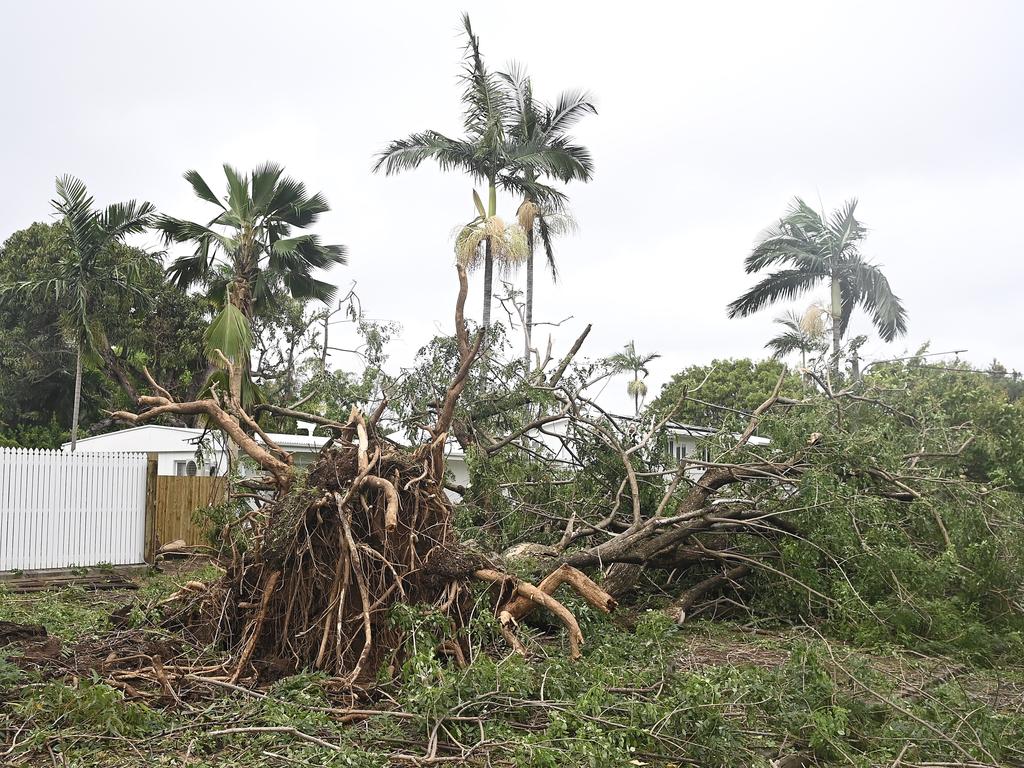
(177, 498)
(59, 510)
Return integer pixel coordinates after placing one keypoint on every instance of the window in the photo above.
(676, 450)
(186, 468)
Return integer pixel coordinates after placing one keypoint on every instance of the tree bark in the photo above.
(528, 330)
(115, 369)
(837, 331)
(76, 410)
(492, 206)
(263, 453)
(620, 578)
(488, 278)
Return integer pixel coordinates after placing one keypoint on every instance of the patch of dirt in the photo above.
(12, 631)
(735, 649)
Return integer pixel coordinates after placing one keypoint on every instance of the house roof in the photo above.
(157, 438)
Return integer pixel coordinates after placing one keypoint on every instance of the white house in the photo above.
(190, 451)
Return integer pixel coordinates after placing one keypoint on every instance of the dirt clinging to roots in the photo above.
(331, 561)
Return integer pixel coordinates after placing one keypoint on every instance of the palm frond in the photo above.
(201, 188)
(522, 186)
(450, 154)
(569, 108)
(74, 204)
(844, 229)
(264, 183)
(302, 285)
(558, 159)
(183, 231)
(305, 252)
(551, 225)
(128, 218)
(287, 194)
(230, 333)
(525, 115)
(784, 285)
(786, 343)
(631, 360)
(485, 102)
(850, 299)
(886, 309)
(803, 218)
(239, 201)
(785, 249)
(188, 271)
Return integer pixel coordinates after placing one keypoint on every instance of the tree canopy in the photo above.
(37, 353)
(723, 392)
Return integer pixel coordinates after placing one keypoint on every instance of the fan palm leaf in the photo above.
(247, 253)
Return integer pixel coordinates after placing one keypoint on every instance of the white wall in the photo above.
(167, 460)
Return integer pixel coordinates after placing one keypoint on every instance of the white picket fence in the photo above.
(60, 510)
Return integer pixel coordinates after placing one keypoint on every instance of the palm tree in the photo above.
(546, 126)
(631, 360)
(802, 333)
(247, 254)
(816, 250)
(489, 152)
(87, 271)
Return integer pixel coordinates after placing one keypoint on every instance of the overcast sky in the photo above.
(712, 117)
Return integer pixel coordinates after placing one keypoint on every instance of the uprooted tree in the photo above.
(857, 510)
(368, 527)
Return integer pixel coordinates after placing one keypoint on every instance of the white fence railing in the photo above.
(59, 510)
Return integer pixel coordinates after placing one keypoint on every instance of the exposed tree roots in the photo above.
(369, 528)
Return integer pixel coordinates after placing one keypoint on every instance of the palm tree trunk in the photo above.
(492, 210)
(240, 297)
(76, 410)
(837, 331)
(528, 330)
(488, 278)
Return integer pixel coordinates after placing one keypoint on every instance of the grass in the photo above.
(73, 613)
(646, 693)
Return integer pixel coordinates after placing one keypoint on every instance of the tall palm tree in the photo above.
(546, 126)
(87, 270)
(631, 360)
(489, 152)
(801, 333)
(247, 253)
(816, 249)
